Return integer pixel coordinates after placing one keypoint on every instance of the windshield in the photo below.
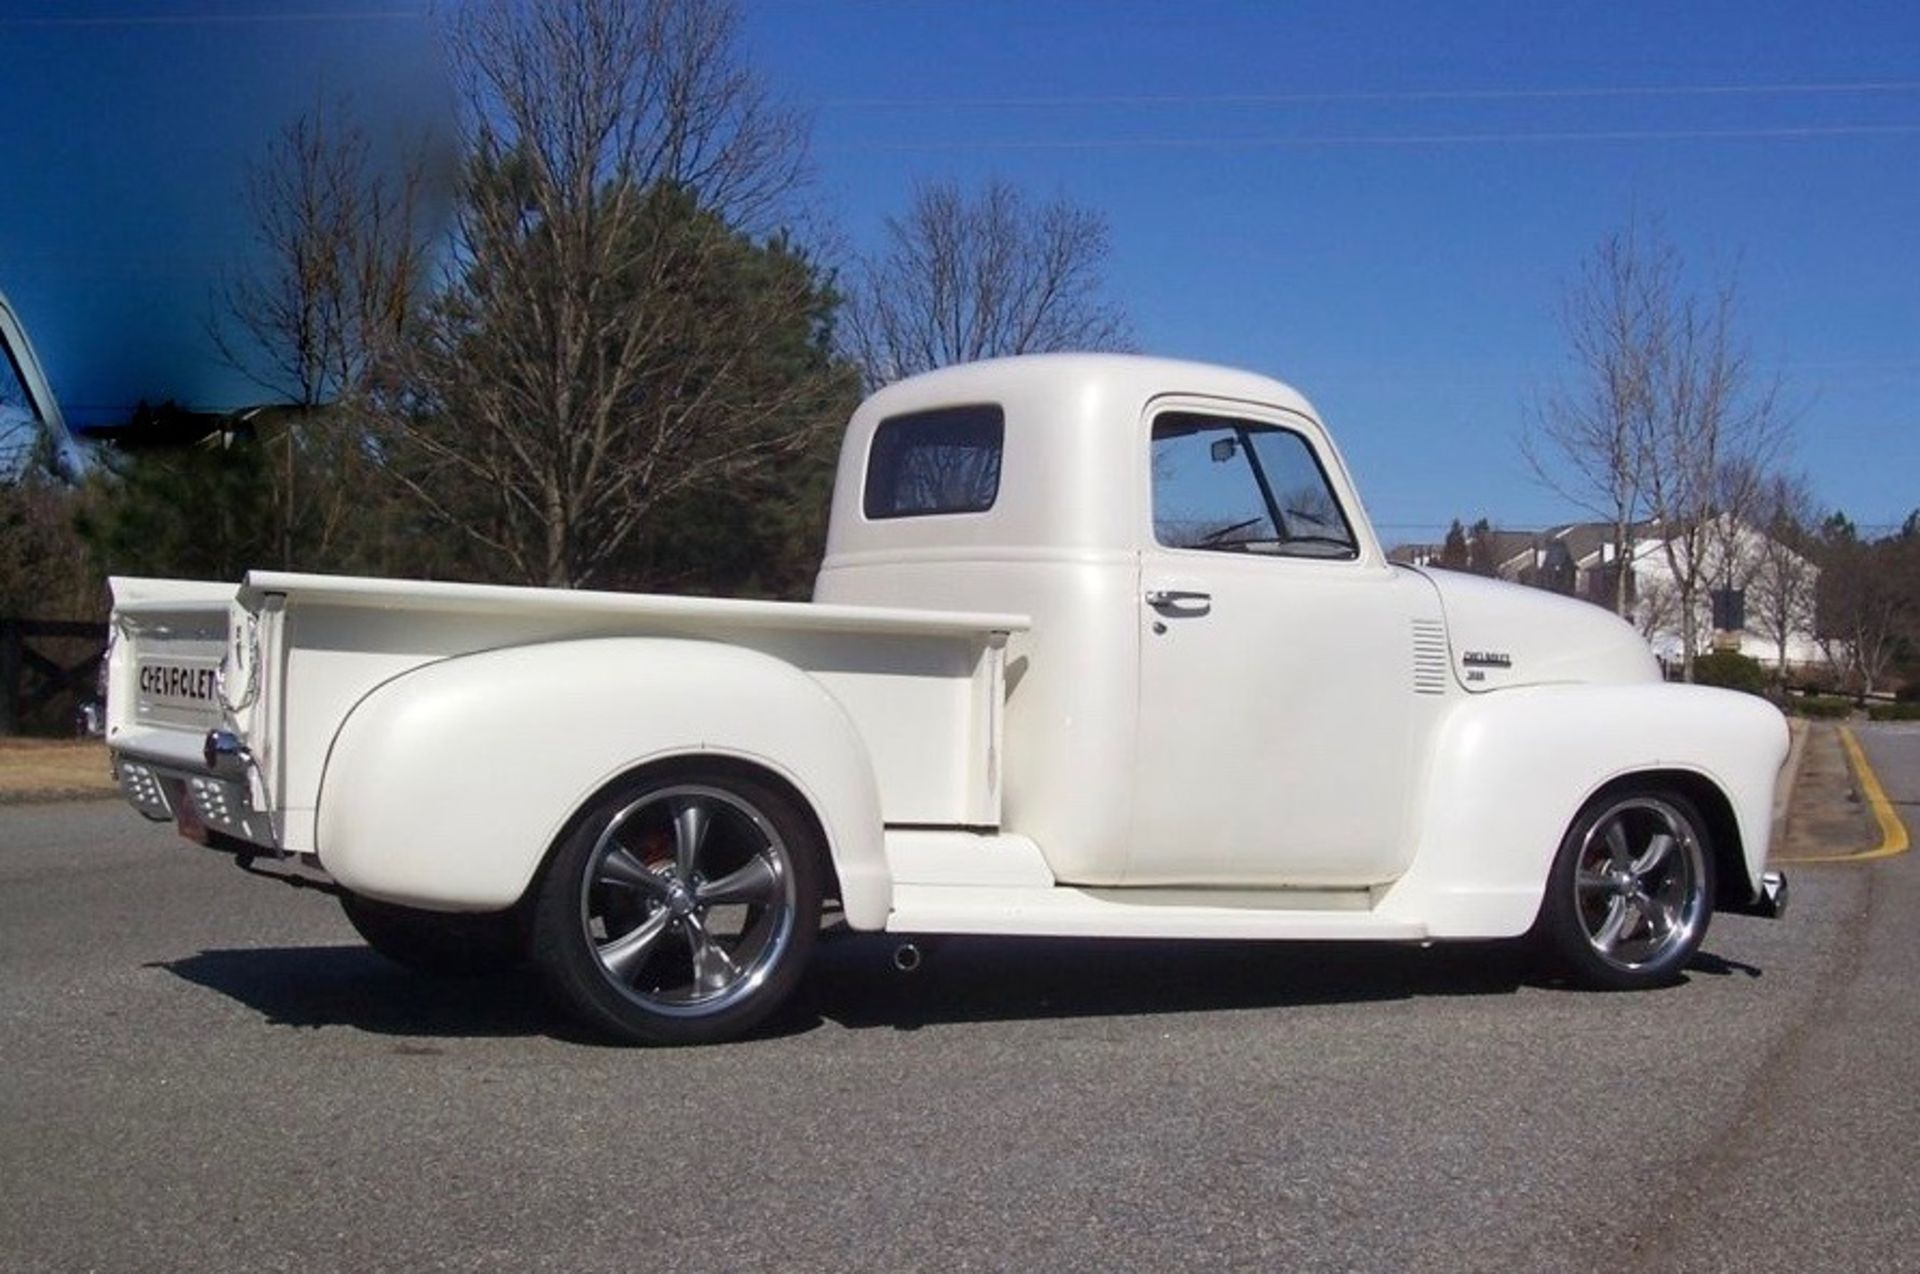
(19, 422)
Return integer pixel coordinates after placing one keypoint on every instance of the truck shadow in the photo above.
(853, 983)
(351, 986)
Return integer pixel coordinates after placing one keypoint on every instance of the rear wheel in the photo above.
(682, 907)
(1631, 891)
(447, 944)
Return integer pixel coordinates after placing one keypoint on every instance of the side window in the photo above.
(20, 425)
(1243, 486)
(945, 461)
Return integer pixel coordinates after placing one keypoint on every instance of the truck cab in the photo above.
(1220, 654)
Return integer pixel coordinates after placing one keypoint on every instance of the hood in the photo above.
(1504, 635)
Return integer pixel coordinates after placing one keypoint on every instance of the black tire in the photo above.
(681, 908)
(446, 944)
(1620, 913)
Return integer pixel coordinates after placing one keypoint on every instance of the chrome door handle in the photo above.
(1180, 601)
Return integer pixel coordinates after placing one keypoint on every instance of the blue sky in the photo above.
(1376, 202)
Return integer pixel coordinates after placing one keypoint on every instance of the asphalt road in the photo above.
(203, 1071)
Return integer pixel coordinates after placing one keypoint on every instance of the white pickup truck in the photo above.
(1102, 646)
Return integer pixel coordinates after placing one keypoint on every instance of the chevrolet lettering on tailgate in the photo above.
(177, 683)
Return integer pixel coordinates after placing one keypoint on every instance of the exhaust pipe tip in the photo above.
(907, 957)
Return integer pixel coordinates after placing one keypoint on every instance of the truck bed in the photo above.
(295, 653)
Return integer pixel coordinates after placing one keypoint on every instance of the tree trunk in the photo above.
(558, 573)
(1621, 567)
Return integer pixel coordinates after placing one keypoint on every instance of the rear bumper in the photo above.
(1771, 900)
(194, 802)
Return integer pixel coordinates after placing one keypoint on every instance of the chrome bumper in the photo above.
(1770, 902)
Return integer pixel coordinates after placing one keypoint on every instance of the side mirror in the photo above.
(1222, 450)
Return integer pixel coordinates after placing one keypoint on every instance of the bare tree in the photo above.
(964, 279)
(609, 336)
(338, 263)
(1665, 415)
(1867, 600)
(1655, 609)
(1713, 431)
(1781, 592)
(1588, 437)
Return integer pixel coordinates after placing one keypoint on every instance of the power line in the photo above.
(213, 19)
(1341, 140)
(1374, 95)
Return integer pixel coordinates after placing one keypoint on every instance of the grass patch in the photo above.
(51, 769)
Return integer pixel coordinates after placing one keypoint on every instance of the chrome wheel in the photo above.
(688, 900)
(1640, 882)
(1631, 891)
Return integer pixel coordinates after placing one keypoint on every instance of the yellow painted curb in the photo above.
(1893, 833)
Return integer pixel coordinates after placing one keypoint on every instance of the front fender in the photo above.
(1511, 769)
(445, 787)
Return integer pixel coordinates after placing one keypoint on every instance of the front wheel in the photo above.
(682, 907)
(1631, 891)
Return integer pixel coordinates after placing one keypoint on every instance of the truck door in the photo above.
(1275, 722)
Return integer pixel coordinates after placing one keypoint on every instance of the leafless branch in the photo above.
(962, 280)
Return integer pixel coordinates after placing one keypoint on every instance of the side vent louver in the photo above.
(1429, 657)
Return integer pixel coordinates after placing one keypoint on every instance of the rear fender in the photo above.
(446, 787)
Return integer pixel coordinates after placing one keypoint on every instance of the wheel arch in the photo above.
(1715, 809)
(752, 768)
(448, 787)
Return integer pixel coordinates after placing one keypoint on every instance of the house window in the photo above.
(1729, 609)
(945, 461)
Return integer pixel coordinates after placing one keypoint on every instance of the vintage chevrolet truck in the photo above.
(1101, 646)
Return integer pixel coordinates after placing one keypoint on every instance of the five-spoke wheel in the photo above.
(1632, 889)
(682, 907)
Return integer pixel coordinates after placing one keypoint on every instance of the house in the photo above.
(1757, 597)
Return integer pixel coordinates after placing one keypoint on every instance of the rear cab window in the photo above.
(935, 462)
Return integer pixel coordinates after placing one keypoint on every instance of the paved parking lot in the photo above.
(204, 1071)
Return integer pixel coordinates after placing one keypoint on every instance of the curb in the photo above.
(1797, 730)
(57, 796)
(1893, 833)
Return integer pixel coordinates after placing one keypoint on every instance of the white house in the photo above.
(1756, 591)
(1756, 595)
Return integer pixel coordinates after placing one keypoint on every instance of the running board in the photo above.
(1063, 911)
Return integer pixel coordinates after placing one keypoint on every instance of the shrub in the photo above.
(1731, 669)
(1818, 679)
(1908, 711)
(1824, 708)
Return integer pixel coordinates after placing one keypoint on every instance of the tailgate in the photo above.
(183, 662)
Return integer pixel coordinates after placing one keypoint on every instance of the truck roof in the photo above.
(1119, 376)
